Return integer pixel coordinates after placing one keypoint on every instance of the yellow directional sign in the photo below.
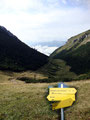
(65, 103)
(59, 91)
(58, 94)
(64, 97)
(60, 97)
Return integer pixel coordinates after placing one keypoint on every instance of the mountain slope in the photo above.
(17, 56)
(76, 53)
(57, 70)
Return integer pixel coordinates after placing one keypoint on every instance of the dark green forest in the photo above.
(16, 55)
(79, 59)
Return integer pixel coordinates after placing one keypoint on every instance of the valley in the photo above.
(25, 75)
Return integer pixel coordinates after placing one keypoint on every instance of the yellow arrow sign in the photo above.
(64, 96)
(60, 97)
(58, 94)
(59, 91)
(65, 103)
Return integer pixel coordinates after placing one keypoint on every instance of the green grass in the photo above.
(4, 77)
(28, 102)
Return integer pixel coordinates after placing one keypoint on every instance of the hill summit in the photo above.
(16, 55)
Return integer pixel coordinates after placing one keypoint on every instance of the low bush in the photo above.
(49, 80)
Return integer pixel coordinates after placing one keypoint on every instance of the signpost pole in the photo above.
(62, 109)
(62, 114)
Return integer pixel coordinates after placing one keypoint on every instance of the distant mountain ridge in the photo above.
(76, 53)
(16, 55)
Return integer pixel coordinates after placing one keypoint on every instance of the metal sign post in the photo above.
(62, 109)
(62, 114)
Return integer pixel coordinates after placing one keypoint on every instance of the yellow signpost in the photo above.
(65, 103)
(60, 97)
(62, 91)
(58, 94)
(63, 96)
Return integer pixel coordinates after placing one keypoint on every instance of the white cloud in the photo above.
(64, 1)
(44, 20)
(18, 5)
(45, 49)
(80, 2)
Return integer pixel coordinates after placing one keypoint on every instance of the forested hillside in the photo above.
(76, 53)
(16, 55)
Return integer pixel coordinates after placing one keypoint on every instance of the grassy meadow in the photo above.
(23, 101)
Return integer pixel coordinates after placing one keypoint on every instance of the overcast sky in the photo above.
(45, 24)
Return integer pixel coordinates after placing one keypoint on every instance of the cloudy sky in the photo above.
(45, 24)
